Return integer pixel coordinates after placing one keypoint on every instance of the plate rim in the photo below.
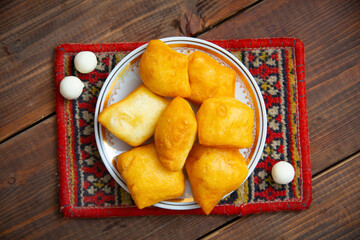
(255, 88)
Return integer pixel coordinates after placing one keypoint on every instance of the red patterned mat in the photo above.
(277, 64)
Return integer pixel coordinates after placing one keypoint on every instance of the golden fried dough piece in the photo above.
(225, 122)
(208, 78)
(134, 118)
(148, 181)
(213, 173)
(164, 71)
(175, 134)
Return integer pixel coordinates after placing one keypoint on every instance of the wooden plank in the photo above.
(29, 205)
(30, 31)
(334, 213)
(29, 165)
(330, 31)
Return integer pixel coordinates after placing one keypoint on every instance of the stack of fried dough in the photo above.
(160, 107)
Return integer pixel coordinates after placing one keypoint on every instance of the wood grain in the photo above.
(28, 176)
(30, 31)
(334, 213)
(29, 204)
(330, 31)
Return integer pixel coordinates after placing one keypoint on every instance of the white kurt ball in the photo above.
(71, 87)
(85, 61)
(283, 172)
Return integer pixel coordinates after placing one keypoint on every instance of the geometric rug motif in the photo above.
(88, 190)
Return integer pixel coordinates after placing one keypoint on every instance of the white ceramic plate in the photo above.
(124, 78)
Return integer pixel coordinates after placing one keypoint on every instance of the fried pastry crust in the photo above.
(134, 118)
(175, 134)
(225, 122)
(213, 173)
(208, 78)
(165, 71)
(148, 181)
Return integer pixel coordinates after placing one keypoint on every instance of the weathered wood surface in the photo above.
(330, 30)
(29, 206)
(30, 31)
(334, 213)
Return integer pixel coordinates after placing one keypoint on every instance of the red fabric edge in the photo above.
(60, 119)
(244, 209)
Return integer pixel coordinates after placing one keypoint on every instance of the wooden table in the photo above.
(29, 33)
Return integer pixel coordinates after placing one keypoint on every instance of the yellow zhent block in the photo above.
(225, 122)
(164, 70)
(208, 78)
(175, 134)
(148, 181)
(213, 173)
(134, 118)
